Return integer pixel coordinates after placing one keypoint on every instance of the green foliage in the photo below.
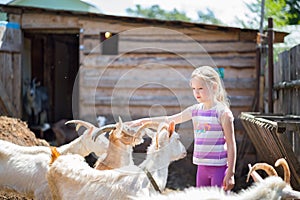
(208, 17)
(283, 12)
(155, 12)
(294, 9)
(278, 11)
(253, 19)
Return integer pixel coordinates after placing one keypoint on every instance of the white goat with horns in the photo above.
(270, 188)
(23, 169)
(70, 173)
(122, 139)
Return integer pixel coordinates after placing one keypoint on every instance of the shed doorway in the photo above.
(53, 59)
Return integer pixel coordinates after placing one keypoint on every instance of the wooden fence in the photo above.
(287, 82)
(277, 135)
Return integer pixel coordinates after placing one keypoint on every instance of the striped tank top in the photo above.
(209, 139)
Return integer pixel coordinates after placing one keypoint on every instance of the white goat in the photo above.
(23, 169)
(69, 173)
(270, 188)
(122, 139)
(85, 144)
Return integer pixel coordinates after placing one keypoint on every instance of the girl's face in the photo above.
(201, 91)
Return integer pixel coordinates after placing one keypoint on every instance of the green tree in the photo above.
(208, 17)
(293, 7)
(283, 12)
(155, 12)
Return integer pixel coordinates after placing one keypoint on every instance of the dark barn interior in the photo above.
(54, 62)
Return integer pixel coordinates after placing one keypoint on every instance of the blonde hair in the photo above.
(211, 77)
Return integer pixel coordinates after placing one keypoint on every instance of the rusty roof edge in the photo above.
(24, 9)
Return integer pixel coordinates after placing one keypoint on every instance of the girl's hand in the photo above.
(228, 182)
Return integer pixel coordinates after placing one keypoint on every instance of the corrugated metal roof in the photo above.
(76, 5)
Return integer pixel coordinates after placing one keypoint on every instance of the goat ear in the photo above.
(120, 127)
(171, 128)
(34, 80)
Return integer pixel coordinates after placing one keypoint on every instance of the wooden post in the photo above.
(257, 101)
(270, 65)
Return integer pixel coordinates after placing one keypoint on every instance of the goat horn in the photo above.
(286, 169)
(103, 129)
(153, 125)
(120, 120)
(119, 126)
(263, 166)
(80, 123)
(256, 177)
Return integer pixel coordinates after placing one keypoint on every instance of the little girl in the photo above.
(214, 140)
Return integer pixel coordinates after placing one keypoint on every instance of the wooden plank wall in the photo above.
(10, 69)
(10, 84)
(287, 82)
(150, 76)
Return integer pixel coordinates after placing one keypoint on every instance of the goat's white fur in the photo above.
(118, 155)
(270, 188)
(70, 173)
(23, 169)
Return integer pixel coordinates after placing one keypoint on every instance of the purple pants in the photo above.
(210, 175)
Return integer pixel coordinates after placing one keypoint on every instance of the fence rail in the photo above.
(274, 137)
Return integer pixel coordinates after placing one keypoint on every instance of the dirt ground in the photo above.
(17, 131)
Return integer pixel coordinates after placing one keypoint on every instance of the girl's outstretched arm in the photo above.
(178, 118)
(228, 127)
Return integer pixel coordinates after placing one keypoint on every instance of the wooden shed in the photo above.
(94, 64)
